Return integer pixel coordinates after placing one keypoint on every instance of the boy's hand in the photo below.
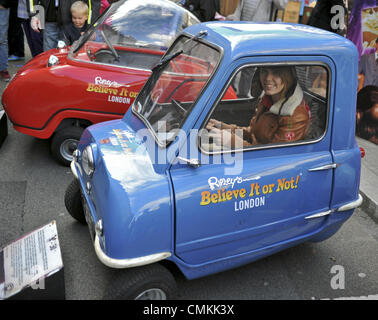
(35, 24)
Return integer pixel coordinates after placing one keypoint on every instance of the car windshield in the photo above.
(175, 84)
(132, 25)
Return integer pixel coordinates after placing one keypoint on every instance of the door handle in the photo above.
(194, 163)
(325, 167)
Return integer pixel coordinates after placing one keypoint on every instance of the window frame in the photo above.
(294, 63)
(160, 143)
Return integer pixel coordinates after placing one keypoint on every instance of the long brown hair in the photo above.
(287, 74)
(289, 78)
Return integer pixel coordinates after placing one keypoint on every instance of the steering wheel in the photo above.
(113, 51)
(105, 52)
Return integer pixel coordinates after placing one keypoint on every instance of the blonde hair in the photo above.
(80, 6)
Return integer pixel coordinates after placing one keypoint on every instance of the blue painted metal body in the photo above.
(148, 208)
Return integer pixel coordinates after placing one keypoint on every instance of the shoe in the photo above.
(4, 75)
(15, 58)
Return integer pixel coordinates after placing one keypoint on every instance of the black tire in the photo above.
(72, 201)
(64, 142)
(129, 284)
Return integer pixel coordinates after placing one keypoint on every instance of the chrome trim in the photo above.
(127, 263)
(88, 188)
(320, 214)
(73, 169)
(193, 163)
(99, 228)
(351, 205)
(325, 167)
(76, 155)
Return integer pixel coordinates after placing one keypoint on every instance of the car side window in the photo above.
(275, 104)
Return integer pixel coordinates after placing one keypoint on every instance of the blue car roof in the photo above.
(247, 38)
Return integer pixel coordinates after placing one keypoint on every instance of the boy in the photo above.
(4, 23)
(73, 30)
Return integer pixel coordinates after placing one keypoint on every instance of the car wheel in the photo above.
(72, 201)
(64, 143)
(150, 282)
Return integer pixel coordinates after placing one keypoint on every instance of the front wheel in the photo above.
(64, 143)
(72, 201)
(150, 282)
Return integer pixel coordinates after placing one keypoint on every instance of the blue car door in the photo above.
(260, 198)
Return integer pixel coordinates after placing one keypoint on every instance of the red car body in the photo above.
(62, 91)
(39, 98)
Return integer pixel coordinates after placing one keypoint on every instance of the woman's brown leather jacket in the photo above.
(283, 121)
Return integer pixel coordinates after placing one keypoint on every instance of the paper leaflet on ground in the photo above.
(33, 257)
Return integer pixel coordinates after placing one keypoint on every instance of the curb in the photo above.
(370, 207)
(369, 178)
(3, 127)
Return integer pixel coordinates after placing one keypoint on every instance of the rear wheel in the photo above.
(150, 282)
(72, 201)
(64, 143)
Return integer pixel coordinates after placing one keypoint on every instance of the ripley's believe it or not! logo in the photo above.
(115, 91)
(244, 198)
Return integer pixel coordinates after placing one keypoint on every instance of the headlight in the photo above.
(87, 161)
(53, 60)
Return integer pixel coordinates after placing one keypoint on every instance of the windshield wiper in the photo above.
(166, 59)
(170, 57)
(200, 34)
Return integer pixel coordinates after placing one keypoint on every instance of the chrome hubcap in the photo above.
(152, 294)
(67, 148)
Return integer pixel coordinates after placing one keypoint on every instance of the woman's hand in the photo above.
(215, 134)
(221, 138)
(226, 138)
(213, 123)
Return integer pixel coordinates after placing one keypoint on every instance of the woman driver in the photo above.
(281, 114)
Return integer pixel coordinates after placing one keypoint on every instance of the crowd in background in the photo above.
(322, 16)
(54, 20)
(20, 19)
